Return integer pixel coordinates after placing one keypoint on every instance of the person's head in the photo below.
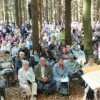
(71, 57)
(42, 61)
(35, 52)
(68, 48)
(52, 42)
(5, 55)
(25, 64)
(21, 55)
(63, 43)
(91, 59)
(60, 60)
(76, 48)
(4, 43)
(16, 44)
(44, 41)
(45, 49)
(63, 49)
(74, 30)
(22, 45)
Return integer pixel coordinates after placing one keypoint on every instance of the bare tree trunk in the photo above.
(46, 13)
(98, 10)
(87, 27)
(23, 11)
(59, 10)
(20, 12)
(35, 16)
(40, 2)
(54, 7)
(51, 12)
(16, 12)
(6, 10)
(68, 22)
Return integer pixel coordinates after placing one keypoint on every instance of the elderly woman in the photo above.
(27, 80)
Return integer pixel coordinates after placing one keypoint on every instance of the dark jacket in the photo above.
(38, 75)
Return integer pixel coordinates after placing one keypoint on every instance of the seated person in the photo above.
(46, 53)
(91, 62)
(60, 71)
(7, 68)
(2, 87)
(44, 77)
(80, 55)
(74, 67)
(51, 46)
(66, 51)
(26, 79)
(56, 54)
(14, 52)
(25, 50)
(18, 61)
(34, 58)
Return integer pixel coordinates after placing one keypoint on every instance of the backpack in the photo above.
(64, 89)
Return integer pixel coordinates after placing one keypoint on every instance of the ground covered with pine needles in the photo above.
(77, 91)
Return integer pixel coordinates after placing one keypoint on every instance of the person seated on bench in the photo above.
(26, 79)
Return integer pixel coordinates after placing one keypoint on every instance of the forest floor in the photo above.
(77, 92)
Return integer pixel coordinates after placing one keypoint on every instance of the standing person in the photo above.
(44, 77)
(27, 80)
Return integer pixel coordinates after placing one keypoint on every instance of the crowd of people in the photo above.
(48, 70)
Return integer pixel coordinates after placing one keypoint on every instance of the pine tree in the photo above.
(87, 27)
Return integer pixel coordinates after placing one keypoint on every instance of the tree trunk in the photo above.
(35, 35)
(6, 10)
(88, 45)
(51, 10)
(23, 11)
(79, 10)
(40, 14)
(68, 22)
(59, 10)
(20, 12)
(54, 8)
(98, 10)
(46, 13)
(16, 12)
